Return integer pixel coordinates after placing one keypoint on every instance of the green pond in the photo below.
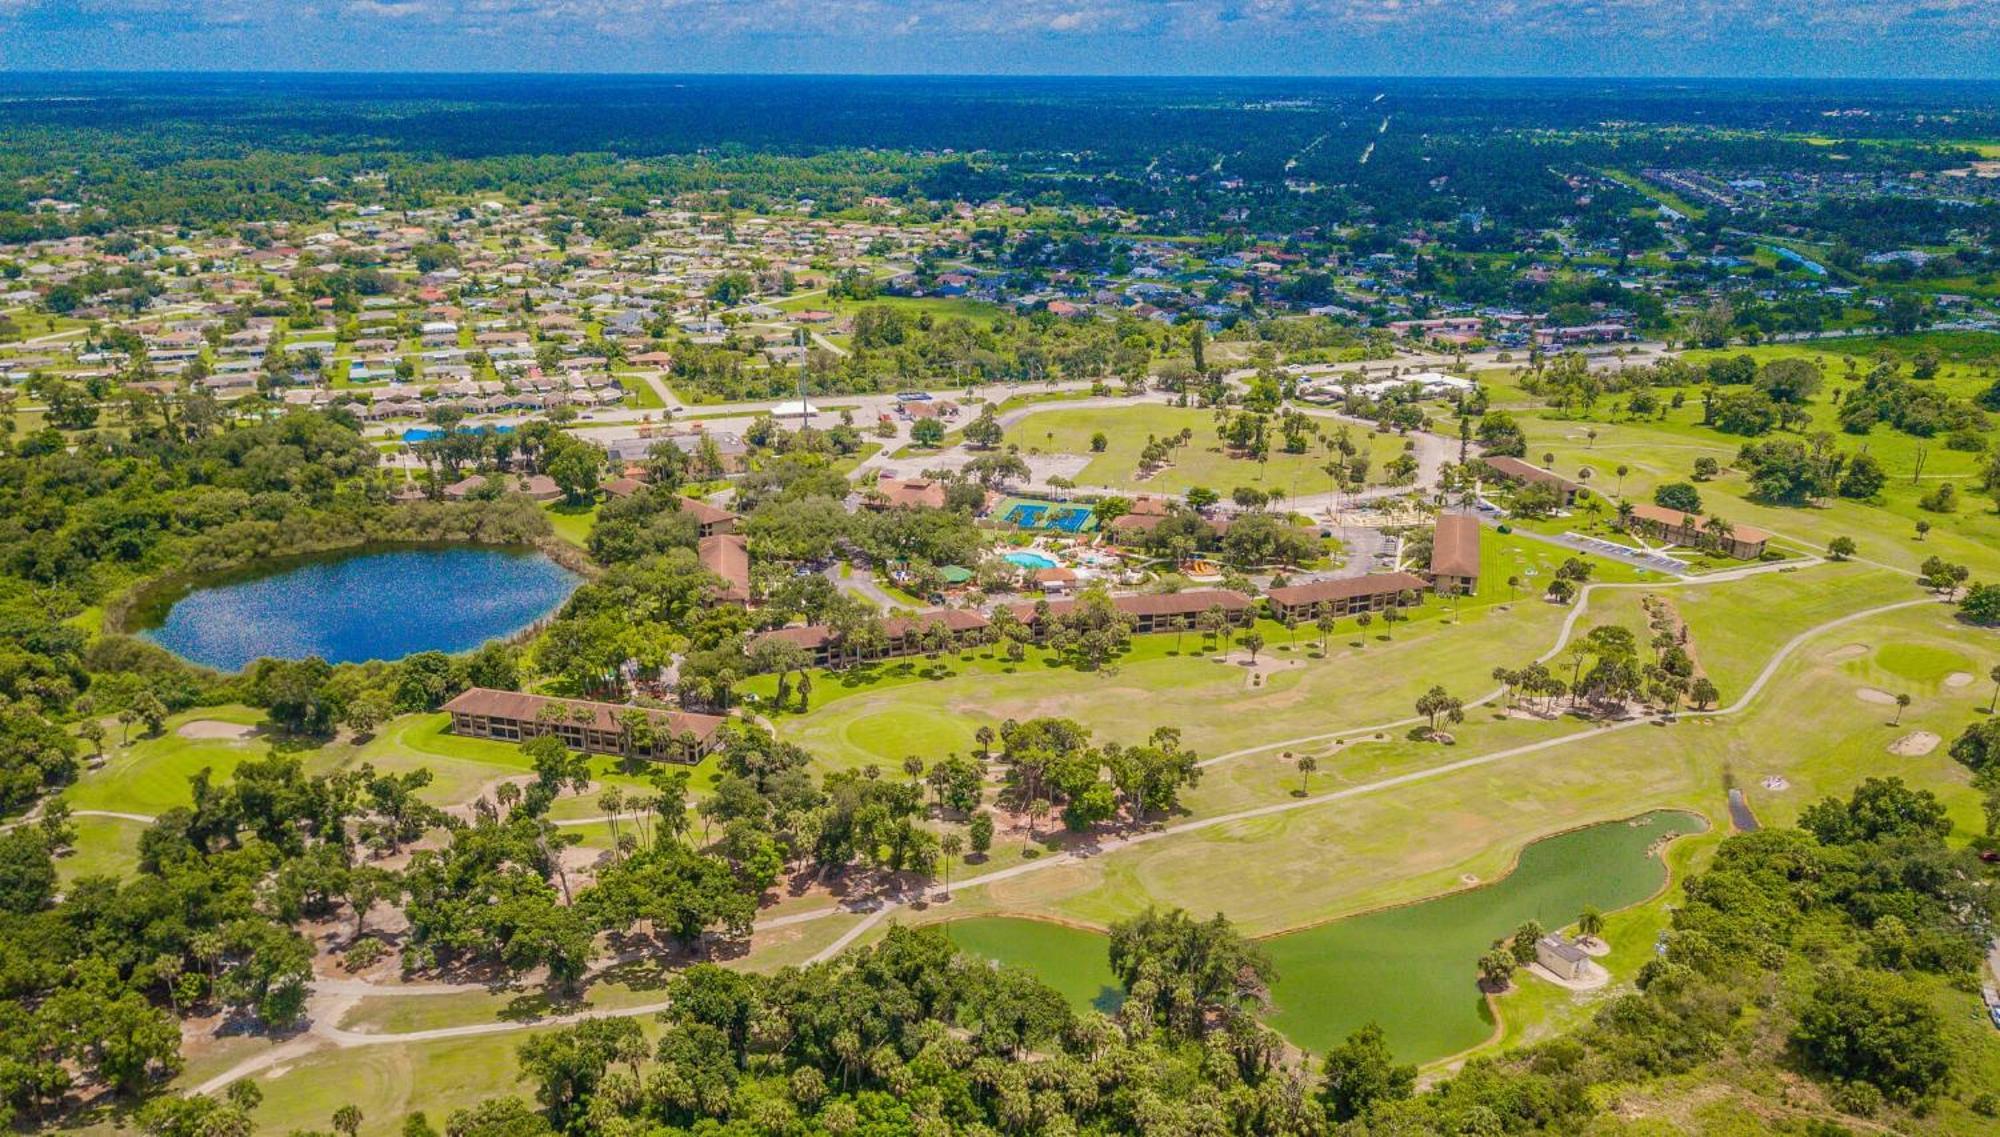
(1411, 969)
(1071, 960)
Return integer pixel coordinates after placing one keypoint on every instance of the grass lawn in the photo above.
(930, 707)
(1203, 462)
(936, 307)
(1809, 727)
(572, 522)
(1659, 452)
(105, 846)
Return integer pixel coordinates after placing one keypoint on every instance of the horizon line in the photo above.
(1275, 76)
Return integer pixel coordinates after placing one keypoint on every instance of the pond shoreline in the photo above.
(351, 602)
(124, 613)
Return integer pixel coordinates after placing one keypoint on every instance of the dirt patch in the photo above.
(1915, 744)
(1256, 672)
(1846, 652)
(216, 730)
(1958, 679)
(488, 791)
(1874, 695)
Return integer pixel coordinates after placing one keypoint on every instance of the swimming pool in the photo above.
(1029, 560)
(425, 433)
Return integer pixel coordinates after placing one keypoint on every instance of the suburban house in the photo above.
(594, 728)
(727, 555)
(1517, 472)
(1345, 596)
(1455, 555)
(708, 519)
(1742, 542)
(1563, 958)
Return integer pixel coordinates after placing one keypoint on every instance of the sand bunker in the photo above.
(1916, 744)
(1871, 695)
(1958, 679)
(1846, 652)
(1776, 782)
(214, 729)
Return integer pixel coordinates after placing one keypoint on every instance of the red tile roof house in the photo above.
(1455, 555)
(594, 728)
(898, 493)
(1343, 597)
(1146, 515)
(1056, 579)
(708, 519)
(1514, 470)
(727, 555)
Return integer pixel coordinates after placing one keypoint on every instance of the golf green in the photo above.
(1071, 960)
(1411, 968)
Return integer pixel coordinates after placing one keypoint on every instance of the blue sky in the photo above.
(1925, 38)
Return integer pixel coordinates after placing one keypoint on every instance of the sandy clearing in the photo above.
(1875, 695)
(213, 729)
(1846, 652)
(1958, 679)
(1916, 744)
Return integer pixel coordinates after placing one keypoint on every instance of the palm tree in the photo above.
(1589, 923)
(1253, 642)
(1995, 704)
(1902, 700)
(1307, 764)
(1496, 968)
(612, 801)
(950, 846)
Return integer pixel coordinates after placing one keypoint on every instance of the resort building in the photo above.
(708, 519)
(1740, 541)
(901, 636)
(1345, 596)
(891, 492)
(1154, 612)
(1517, 472)
(1455, 555)
(727, 555)
(594, 728)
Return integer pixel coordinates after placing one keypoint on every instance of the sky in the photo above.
(1721, 38)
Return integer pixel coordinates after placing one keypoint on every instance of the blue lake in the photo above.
(372, 604)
